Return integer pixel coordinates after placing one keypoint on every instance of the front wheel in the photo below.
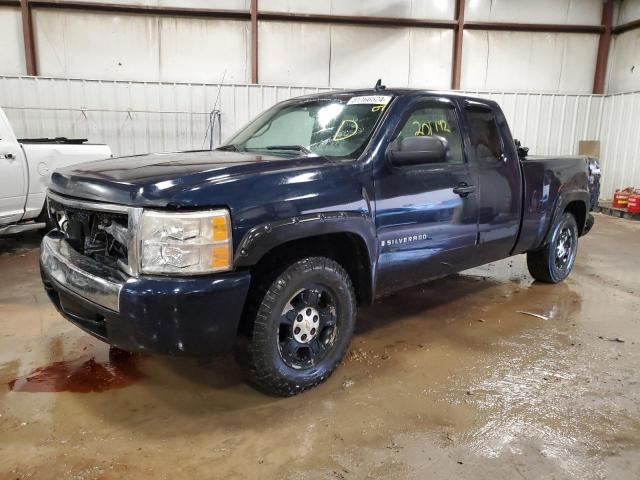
(554, 262)
(302, 327)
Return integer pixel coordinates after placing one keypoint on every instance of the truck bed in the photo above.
(545, 179)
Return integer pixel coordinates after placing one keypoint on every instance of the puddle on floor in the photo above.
(98, 371)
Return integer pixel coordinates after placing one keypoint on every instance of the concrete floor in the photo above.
(447, 380)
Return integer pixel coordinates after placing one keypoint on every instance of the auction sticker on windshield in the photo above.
(370, 100)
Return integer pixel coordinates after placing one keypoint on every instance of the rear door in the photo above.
(425, 229)
(13, 175)
(499, 192)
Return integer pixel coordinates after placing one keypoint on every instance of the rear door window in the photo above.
(486, 141)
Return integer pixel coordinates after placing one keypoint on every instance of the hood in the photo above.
(161, 179)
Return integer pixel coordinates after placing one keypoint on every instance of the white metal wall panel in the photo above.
(620, 148)
(204, 50)
(577, 12)
(148, 48)
(528, 62)
(218, 4)
(306, 54)
(623, 72)
(430, 58)
(628, 11)
(432, 9)
(377, 52)
(294, 53)
(11, 42)
(318, 7)
(96, 45)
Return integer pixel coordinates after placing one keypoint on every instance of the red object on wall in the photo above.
(633, 205)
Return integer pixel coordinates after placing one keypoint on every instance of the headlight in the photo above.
(185, 243)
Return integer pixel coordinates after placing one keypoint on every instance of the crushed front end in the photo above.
(93, 272)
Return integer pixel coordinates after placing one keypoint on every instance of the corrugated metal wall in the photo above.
(139, 117)
(624, 55)
(134, 117)
(620, 136)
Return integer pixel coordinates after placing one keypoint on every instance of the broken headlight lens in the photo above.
(185, 243)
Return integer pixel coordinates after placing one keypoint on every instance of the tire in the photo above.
(554, 262)
(302, 327)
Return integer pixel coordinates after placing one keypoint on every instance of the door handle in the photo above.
(463, 189)
(8, 156)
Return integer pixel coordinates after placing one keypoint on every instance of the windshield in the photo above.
(337, 126)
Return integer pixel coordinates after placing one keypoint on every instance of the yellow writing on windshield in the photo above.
(428, 128)
(377, 108)
(347, 129)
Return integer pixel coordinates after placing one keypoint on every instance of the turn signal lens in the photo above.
(220, 229)
(220, 256)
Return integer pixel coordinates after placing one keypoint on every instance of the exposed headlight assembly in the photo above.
(185, 243)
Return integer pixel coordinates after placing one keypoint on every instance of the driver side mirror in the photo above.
(412, 151)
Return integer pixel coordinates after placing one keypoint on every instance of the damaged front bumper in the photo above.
(156, 314)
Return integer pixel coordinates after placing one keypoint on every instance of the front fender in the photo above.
(264, 237)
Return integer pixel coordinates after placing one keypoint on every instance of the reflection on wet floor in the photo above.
(444, 380)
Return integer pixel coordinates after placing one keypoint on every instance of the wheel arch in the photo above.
(579, 210)
(348, 238)
(574, 202)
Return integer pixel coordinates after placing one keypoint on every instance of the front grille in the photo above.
(99, 235)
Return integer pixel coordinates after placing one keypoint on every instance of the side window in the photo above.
(485, 137)
(435, 120)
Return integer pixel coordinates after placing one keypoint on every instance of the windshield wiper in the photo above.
(298, 148)
(229, 148)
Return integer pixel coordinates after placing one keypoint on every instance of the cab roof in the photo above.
(400, 92)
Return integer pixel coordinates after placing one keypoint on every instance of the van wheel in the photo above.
(554, 262)
(302, 327)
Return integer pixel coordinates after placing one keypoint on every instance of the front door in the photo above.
(426, 225)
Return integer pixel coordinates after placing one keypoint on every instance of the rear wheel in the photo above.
(302, 327)
(554, 262)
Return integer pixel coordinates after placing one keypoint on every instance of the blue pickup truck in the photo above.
(268, 244)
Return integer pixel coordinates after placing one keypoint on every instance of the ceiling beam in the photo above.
(27, 35)
(354, 20)
(254, 41)
(533, 27)
(603, 48)
(626, 27)
(456, 61)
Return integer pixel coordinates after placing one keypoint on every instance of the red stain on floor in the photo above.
(87, 373)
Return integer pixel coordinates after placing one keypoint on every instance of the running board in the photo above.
(21, 228)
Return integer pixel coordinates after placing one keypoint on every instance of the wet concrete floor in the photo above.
(446, 380)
